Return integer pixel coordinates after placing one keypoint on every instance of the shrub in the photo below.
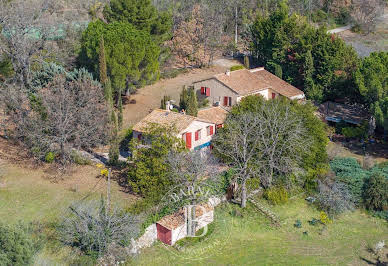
(335, 198)
(276, 195)
(319, 16)
(356, 132)
(376, 193)
(324, 218)
(79, 159)
(17, 245)
(50, 157)
(237, 67)
(92, 228)
(349, 172)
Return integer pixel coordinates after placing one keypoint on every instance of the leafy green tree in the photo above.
(18, 247)
(315, 160)
(150, 175)
(6, 69)
(372, 82)
(131, 55)
(102, 62)
(284, 40)
(142, 15)
(312, 91)
(192, 103)
(376, 193)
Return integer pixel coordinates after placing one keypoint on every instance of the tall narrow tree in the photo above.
(183, 99)
(192, 103)
(102, 62)
(120, 114)
(114, 147)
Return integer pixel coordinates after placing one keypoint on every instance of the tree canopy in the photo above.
(131, 55)
(141, 14)
(305, 53)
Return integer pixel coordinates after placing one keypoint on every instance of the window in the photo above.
(227, 101)
(273, 95)
(139, 136)
(209, 130)
(198, 134)
(207, 91)
(202, 90)
(184, 137)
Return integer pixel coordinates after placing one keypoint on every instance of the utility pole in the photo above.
(108, 192)
(235, 32)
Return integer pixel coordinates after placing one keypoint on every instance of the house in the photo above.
(215, 114)
(195, 132)
(173, 227)
(229, 88)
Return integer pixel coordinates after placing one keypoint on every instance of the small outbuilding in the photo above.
(172, 228)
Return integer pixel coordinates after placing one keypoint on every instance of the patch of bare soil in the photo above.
(376, 40)
(148, 98)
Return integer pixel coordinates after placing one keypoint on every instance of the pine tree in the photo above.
(102, 62)
(192, 103)
(120, 114)
(183, 99)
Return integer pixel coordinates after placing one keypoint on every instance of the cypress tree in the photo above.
(246, 62)
(120, 114)
(192, 103)
(278, 71)
(102, 62)
(312, 90)
(108, 92)
(114, 148)
(183, 98)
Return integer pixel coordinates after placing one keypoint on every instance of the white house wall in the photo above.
(193, 127)
(217, 91)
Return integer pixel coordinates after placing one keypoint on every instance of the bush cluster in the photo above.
(276, 195)
(18, 245)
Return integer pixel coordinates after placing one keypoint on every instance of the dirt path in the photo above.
(148, 98)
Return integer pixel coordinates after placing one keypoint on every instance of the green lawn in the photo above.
(30, 195)
(250, 240)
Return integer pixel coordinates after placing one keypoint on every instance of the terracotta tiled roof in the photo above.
(277, 84)
(163, 117)
(166, 118)
(177, 219)
(243, 81)
(217, 115)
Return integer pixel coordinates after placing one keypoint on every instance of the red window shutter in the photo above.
(211, 130)
(188, 140)
(196, 135)
(273, 95)
(207, 91)
(202, 90)
(225, 101)
(139, 136)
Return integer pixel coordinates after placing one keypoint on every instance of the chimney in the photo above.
(227, 73)
(168, 106)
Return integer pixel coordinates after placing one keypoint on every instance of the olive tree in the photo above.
(265, 139)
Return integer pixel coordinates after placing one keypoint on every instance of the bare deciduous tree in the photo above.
(62, 116)
(25, 30)
(366, 12)
(265, 142)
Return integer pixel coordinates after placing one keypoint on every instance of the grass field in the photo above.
(30, 195)
(250, 240)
